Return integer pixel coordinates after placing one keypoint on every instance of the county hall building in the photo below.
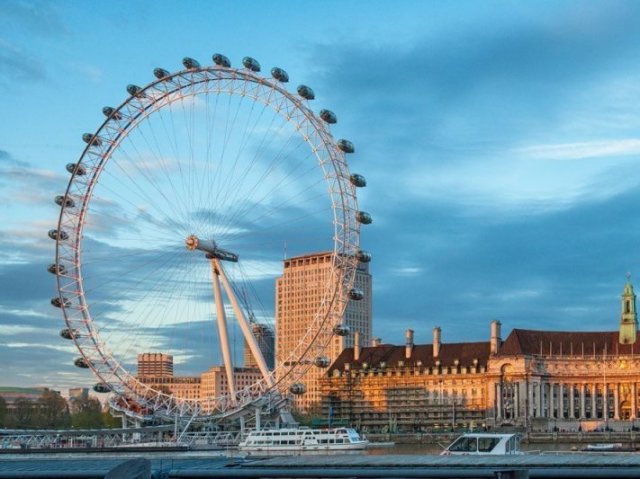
(540, 380)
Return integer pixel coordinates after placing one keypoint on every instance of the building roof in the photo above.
(565, 343)
(465, 353)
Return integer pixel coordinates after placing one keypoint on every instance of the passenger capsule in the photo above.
(58, 303)
(306, 92)
(64, 201)
(112, 113)
(81, 363)
(279, 74)
(251, 63)
(322, 362)
(56, 269)
(363, 256)
(102, 388)
(77, 169)
(364, 218)
(61, 235)
(358, 180)
(160, 73)
(328, 116)
(341, 330)
(92, 140)
(356, 294)
(220, 60)
(67, 333)
(135, 90)
(297, 389)
(346, 146)
(190, 63)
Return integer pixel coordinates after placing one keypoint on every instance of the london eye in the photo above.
(175, 221)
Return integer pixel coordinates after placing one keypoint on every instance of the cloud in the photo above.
(18, 66)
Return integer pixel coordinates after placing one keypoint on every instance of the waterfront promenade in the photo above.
(181, 465)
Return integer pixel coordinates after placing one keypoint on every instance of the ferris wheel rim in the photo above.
(114, 374)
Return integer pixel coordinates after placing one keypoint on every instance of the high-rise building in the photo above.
(266, 342)
(299, 296)
(155, 365)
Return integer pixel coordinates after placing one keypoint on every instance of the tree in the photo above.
(22, 415)
(86, 413)
(52, 411)
(3, 412)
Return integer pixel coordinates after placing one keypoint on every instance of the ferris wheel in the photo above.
(174, 225)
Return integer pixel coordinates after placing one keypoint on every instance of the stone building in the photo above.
(544, 380)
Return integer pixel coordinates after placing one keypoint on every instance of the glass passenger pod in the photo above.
(356, 294)
(112, 113)
(57, 302)
(357, 180)
(81, 363)
(56, 269)
(341, 330)
(322, 362)
(328, 116)
(346, 146)
(297, 389)
(101, 388)
(92, 140)
(61, 200)
(220, 60)
(364, 218)
(251, 64)
(55, 235)
(363, 256)
(76, 169)
(306, 92)
(160, 73)
(68, 333)
(190, 63)
(135, 90)
(279, 74)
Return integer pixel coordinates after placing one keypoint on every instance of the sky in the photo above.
(500, 142)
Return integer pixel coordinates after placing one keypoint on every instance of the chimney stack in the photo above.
(408, 334)
(436, 341)
(496, 341)
(356, 346)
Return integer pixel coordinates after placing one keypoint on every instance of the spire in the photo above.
(628, 316)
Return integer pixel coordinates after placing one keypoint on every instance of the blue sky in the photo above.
(500, 141)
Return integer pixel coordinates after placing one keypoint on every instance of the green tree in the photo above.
(3, 412)
(86, 413)
(52, 411)
(22, 415)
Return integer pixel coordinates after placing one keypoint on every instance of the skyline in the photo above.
(498, 144)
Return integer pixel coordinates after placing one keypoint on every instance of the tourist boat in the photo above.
(608, 447)
(302, 441)
(490, 444)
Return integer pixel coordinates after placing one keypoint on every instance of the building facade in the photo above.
(539, 380)
(266, 342)
(155, 365)
(299, 295)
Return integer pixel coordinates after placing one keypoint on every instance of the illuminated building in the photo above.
(299, 295)
(540, 380)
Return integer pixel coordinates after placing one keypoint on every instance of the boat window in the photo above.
(464, 444)
(486, 444)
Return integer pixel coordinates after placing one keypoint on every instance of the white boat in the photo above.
(303, 441)
(490, 444)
